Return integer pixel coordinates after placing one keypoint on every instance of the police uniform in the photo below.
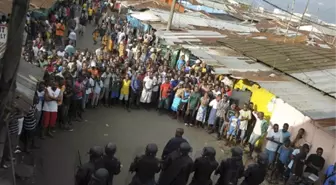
(145, 167)
(231, 169)
(204, 166)
(255, 173)
(111, 163)
(177, 167)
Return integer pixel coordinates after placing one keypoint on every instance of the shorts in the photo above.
(114, 94)
(270, 155)
(253, 138)
(123, 96)
(231, 131)
(164, 103)
(49, 119)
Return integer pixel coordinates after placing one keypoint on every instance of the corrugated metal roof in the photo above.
(187, 20)
(308, 101)
(311, 65)
(189, 36)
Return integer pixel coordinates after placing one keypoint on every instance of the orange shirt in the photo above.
(164, 90)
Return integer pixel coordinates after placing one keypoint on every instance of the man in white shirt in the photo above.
(273, 140)
(96, 92)
(73, 37)
(50, 108)
(146, 95)
(244, 117)
(258, 130)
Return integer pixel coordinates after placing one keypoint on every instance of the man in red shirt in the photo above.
(165, 89)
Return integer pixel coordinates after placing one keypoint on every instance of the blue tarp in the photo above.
(137, 23)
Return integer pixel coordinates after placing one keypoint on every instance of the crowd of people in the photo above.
(130, 69)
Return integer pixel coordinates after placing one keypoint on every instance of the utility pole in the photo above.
(304, 12)
(171, 15)
(11, 59)
(290, 19)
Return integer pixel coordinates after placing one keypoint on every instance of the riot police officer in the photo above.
(100, 177)
(85, 171)
(177, 167)
(145, 167)
(204, 166)
(255, 173)
(231, 169)
(111, 163)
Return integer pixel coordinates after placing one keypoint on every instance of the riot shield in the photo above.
(137, 153)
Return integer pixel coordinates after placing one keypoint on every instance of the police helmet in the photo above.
(110, 149)
(101, 175)
(151, 149)
(96, 151)
(185, 148)
(262, 159)
(236, 151)
(209, 151)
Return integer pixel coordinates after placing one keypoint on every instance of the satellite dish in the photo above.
(33, 78)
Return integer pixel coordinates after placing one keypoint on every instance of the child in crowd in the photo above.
(234, 123)
(29, 126)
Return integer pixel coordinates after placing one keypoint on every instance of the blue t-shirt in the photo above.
(284, 154)
(284, 136)
(329, 171)
(180, 64)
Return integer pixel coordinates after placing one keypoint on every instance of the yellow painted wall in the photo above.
(260, 96)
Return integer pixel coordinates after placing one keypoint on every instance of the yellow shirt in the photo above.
(125, 87)
(90, 11)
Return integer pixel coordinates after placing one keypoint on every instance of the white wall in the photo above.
(285, 113)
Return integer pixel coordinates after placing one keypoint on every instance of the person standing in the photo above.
(174, 143)
(259, 129)
(84, 172)
(192, 107)
(177, 167)
(29, 126)
(146, 95)
(231, 169)
(165, 89)
(111, 163)
(107, 78)
(212, 116)
(244, 117)
(204, 166)
(135, 86)
(273, 140)
(60, 28)
(145, 167)
(50, 108)
(96, 92)
(202, 110)
(124, 92)
(67, 96)
(255, 173)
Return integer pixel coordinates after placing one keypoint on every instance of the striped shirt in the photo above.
(29, 122)
(13, 125)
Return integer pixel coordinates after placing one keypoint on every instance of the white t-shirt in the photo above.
(41, 97)
(270, 145)
(98, 52)
(213, 104)
(244, 114)
(91, 84)
(98, 87)
(148, 82)
(294, 153)
(51, 106)
(257, 126)
(234, 122)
